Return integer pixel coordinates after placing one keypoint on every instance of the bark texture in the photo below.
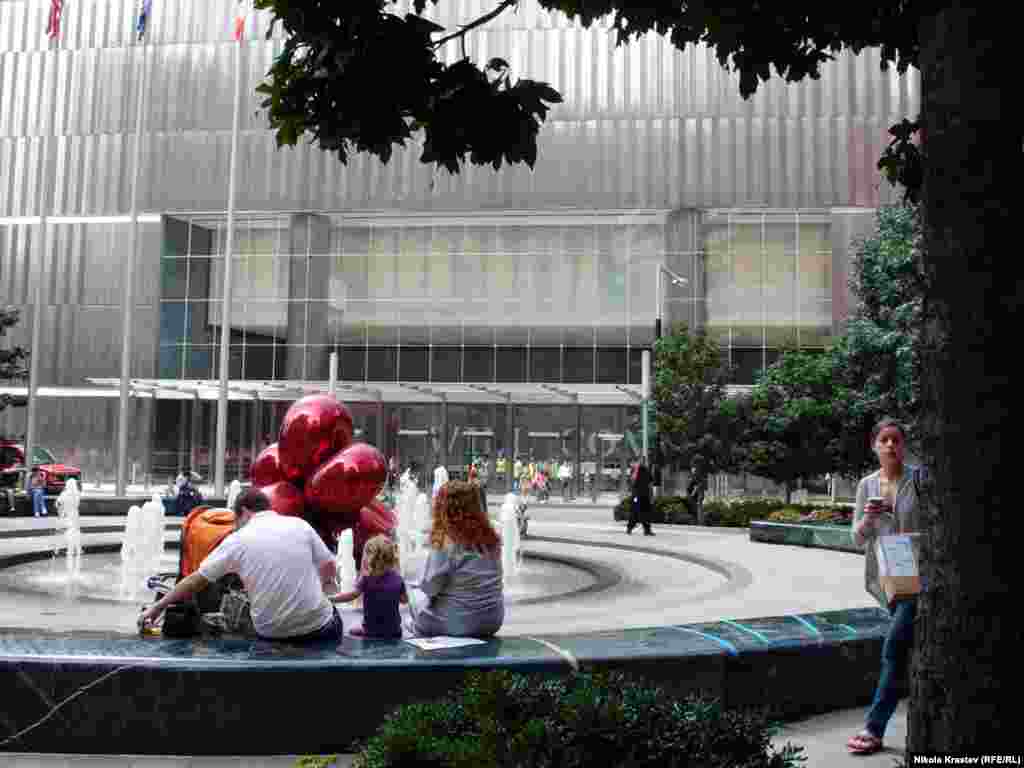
(963, 692)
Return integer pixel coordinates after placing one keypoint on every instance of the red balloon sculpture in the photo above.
(314, 473)
(376, 518)
(285, 499)
(314, 429)
(347, 482)
(266, 470)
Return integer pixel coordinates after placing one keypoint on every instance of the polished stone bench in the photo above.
(233, 696)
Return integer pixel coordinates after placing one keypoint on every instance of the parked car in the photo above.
(55, 474)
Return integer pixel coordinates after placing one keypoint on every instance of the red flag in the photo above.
(53, 27)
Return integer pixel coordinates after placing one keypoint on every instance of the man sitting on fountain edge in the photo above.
(284, 566)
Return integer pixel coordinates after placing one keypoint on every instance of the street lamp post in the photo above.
(646, 360)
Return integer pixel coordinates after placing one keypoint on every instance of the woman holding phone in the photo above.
(886, 503)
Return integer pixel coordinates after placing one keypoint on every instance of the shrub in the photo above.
(736, 513)
(499, 719)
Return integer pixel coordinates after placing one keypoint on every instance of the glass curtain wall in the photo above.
(768, 284)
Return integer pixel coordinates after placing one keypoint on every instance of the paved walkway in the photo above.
(657, 588)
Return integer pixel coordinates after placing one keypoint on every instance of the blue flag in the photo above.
(140, 27)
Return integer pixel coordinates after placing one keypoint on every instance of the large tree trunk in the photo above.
(962, 694)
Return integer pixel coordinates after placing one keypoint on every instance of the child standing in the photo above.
(382, 588)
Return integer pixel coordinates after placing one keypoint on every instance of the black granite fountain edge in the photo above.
(115, 694)
(834, 537)
(101, 506)
(232, 696)
(35, 533)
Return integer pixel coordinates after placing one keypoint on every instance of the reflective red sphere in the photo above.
(266, 470)
(285, 499)
(376, 518)
(347, 482)
(314, 429)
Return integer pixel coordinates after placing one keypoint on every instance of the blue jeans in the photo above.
(332, 631)
(895, 660)
(38, 501)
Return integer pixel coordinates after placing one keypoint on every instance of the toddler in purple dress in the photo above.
(382, 588)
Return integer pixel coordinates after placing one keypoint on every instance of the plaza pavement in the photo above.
(654, 589)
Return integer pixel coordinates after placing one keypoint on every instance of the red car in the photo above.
(55, 474)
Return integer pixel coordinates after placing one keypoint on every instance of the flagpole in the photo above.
(128, 295)
(32, 416)
(225, 306)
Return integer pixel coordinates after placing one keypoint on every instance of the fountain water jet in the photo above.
(71, 538)
(234, 490)
(511, 543)
(345, 561)
(143, 545)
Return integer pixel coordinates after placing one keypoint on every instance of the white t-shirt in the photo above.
(277, 558)
(564, 472)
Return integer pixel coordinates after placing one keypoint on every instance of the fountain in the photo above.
(511, 544)
(405, 507)
(234, 490)
(143, 545)
(71, 537)
(345, 561)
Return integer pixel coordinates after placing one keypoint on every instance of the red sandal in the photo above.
(864, 743)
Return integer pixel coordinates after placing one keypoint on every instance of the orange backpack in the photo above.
(202, 531)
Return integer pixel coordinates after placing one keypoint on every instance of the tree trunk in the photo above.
(962, 695)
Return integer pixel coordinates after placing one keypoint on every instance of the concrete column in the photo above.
(196, 425)
(380, 424)
(309, 290)
(257, 427)
(183, 423)
(577, 474)
(444, 433)
(510, 438)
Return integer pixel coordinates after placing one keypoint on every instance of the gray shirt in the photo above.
(906, 518)
(464, 591)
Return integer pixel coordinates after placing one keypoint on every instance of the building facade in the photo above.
(481, 315)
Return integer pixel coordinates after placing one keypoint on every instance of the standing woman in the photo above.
(462, 576)
(640, 508)
(897, 512)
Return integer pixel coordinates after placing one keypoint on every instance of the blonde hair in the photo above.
(380, 555)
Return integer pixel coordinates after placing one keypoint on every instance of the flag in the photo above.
(140, 27)
(241, 10)
(53, 27)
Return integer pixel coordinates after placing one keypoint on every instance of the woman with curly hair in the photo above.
(461, 582)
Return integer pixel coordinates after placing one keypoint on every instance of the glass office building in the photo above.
(482, 315)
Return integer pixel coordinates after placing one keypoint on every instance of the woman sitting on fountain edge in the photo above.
(459, 593)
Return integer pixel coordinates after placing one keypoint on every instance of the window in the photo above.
(511, 364)
(381, 363)
(413, 364)
(545, 364)
(42, 456)
(478, 364)
(445, 364)
(579, 365)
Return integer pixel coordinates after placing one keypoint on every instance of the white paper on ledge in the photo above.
(436, 643)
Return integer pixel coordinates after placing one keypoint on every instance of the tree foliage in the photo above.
(689, 389)
(12, 361)
(793, 420)
(356, 77)
(812, 413)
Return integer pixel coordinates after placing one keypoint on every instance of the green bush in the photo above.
(499, 719)
(736, 513)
